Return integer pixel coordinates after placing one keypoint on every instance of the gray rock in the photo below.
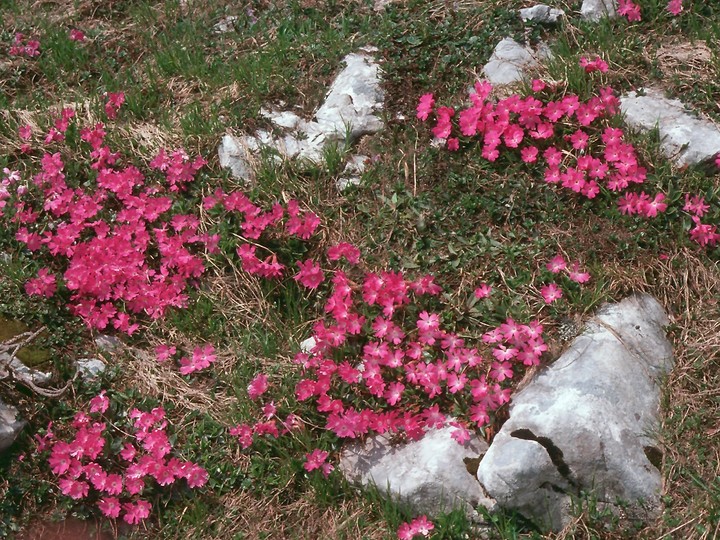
(226, 24)
(354, 99)
(541, 13)
(509, 63)
(686, 139)
(40, 378)
(430, 474)
(90, 368)
(348, 112)
(236, 154)
(594, 10)
(107, 343)
(587, 423)
(10, 425)
(354, 169)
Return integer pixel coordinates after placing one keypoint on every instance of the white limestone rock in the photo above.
(10, 425)
(685, 138)
(348, 112)
(541, 13)
(90, 368)
(225, 25)
(587, 423)
(352, 172)
(510, 61)
(594, 10)
(433, 474)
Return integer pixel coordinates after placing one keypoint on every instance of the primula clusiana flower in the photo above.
(310, 274)
(576, 275)
(550, 293)
(99, 403)
(43, 285)
(425, 107)
(675, 7)
(77, 35)
(419, 526)
(135, 513)
(110, 507)
(163, 352)
(629, 9)
(483, 291)
(258, 386)
(596, 64)
(315, 459)
(556, 264)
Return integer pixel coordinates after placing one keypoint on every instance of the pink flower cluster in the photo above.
(570, 138)
(407, 368)
(420, 526)
(29, 48)
(631, 11)
(107, 233)
(201, 358)
(87, 468)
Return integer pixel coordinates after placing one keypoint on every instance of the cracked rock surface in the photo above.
(432, 475)
(585, 424)
(686, 139)
(348, 112)
(10, 425)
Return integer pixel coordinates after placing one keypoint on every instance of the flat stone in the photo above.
(587, 423)
(10, 425)
(283, 119)
(594, 10)
(352, 172)
(686, 139)
(348, 112)
(353, 100)
(106, 343)
(90, 368)
(39, 378)
(226, 24)
(509, 63)
(433, 475)
(541, 14)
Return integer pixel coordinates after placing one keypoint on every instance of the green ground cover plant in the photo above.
(430, 290)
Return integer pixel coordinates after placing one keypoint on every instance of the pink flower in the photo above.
(196, 476)
(453, 144)
(77, 35)
(529, 154)
(73, 488)
(135, 513)
(675, 7)
(110, 507)
(99, 403)
(483, 291)
(629, 9)
(310, 274)
(425, 106)
(113, 103)
(419, 526)
(695, 205)
(556, 264)
(460, 433)
(43, 285)
(550, 293)
(244, 433)
(576, 275)
(344, 249)
(315, 459)
(597, 64)
(258, 386)
(163, 352)
(538, 85)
